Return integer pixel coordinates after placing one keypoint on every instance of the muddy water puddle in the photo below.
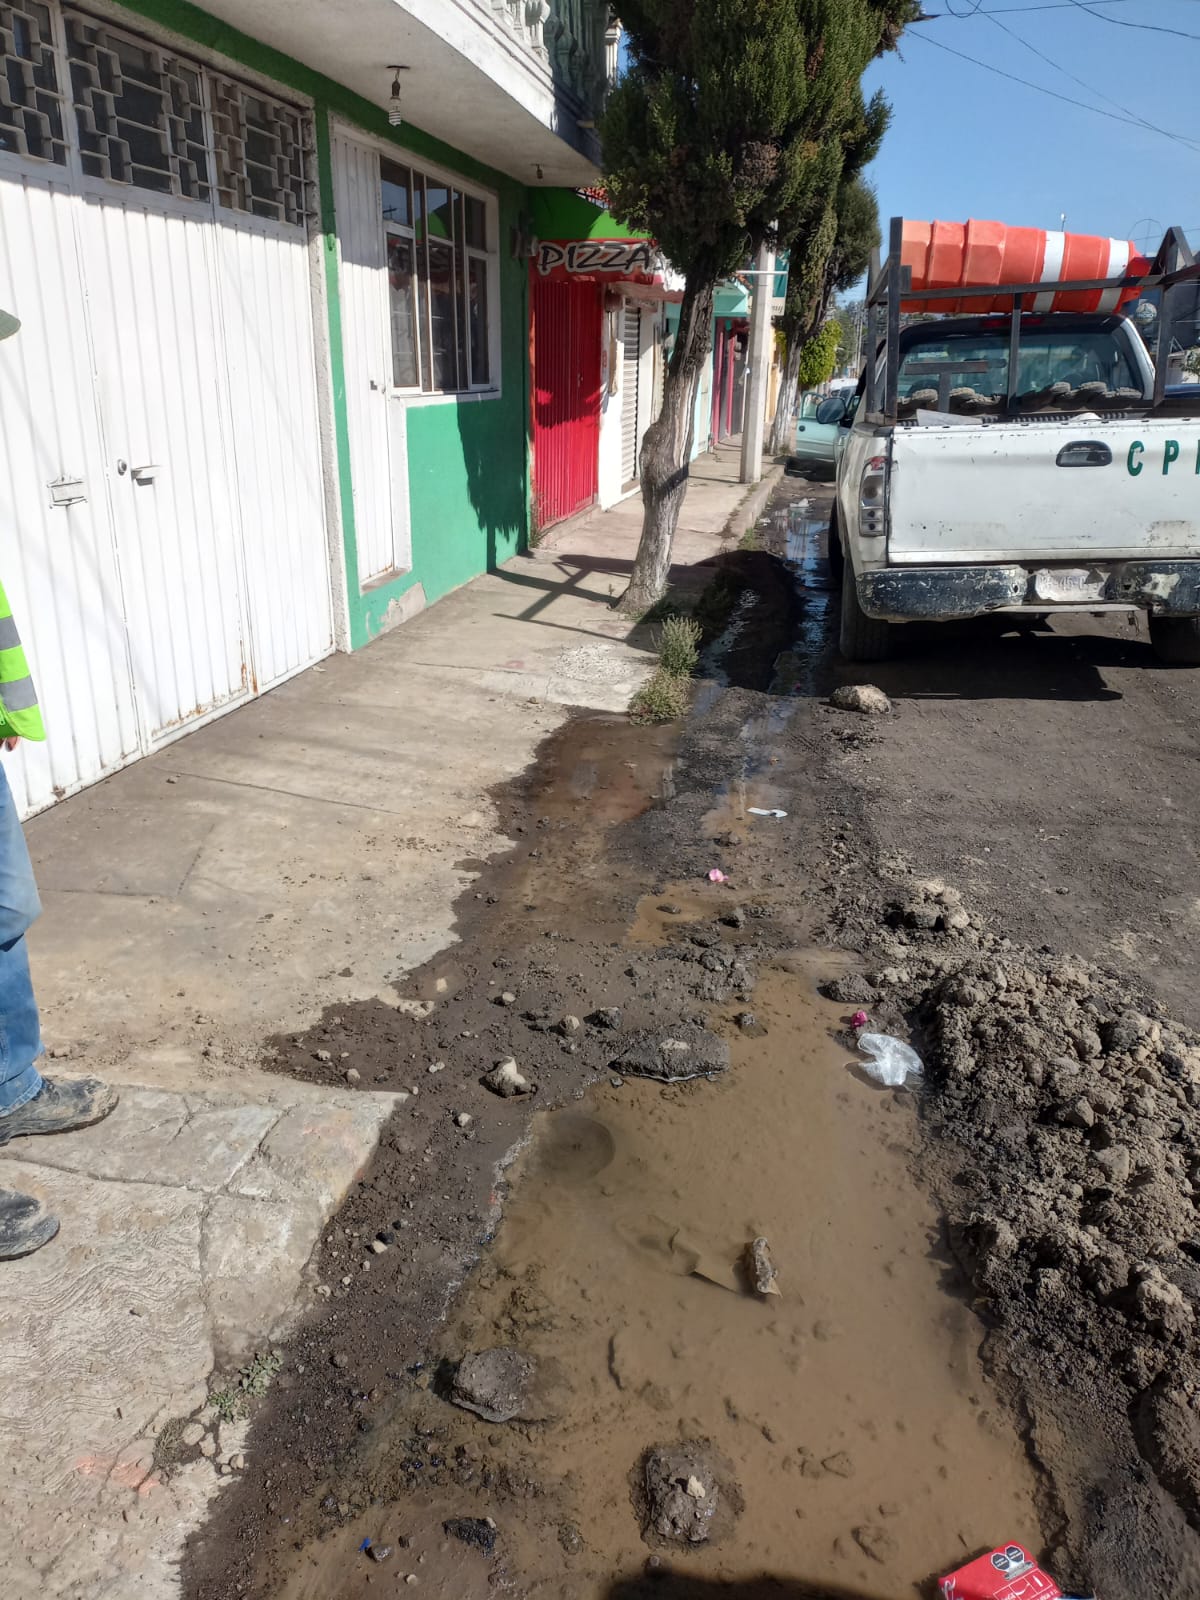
(868, 1451)
(867, 1447)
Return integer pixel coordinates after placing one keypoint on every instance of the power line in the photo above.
(1099, 111)
(1144, 27)
(1177, 138)
(975, 9)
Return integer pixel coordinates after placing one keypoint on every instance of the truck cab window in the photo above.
(943, 369)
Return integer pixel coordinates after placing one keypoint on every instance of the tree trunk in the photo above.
(782, 435)
(667, 447)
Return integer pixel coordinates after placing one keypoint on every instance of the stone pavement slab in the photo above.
(187, 1225)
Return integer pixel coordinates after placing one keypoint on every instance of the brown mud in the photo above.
(868, 1445)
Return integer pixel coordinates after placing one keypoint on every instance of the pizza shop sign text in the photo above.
(609, 258)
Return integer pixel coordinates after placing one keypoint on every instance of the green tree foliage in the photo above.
(825, 262)
(819, 356)
(730, 126)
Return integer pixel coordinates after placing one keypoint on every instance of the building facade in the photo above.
(271, 391)
(598, 295)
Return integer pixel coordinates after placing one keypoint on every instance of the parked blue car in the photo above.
(820, 427)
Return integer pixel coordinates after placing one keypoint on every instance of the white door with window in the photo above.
(171, 531)
(418, 282)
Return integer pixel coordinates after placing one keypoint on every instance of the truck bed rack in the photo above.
(890, 282)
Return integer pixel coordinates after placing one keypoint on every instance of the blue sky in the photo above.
(967, 143)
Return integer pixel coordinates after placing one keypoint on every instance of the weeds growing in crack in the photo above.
(251, 1382)
(665, 696)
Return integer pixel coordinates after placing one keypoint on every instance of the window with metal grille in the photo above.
(31, 118)
(139, 111)
(147, 117)
(260, 149)
(440, 258)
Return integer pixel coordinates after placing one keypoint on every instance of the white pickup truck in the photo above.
(1075, 487)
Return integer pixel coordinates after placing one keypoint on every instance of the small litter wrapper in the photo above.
(760, 1268)
(1007, 1573)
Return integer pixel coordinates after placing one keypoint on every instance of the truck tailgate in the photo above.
(997, 493)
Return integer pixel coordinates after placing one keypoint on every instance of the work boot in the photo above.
(25, 1225)
(59, 1108)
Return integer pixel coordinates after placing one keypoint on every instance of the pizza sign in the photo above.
(598, 258)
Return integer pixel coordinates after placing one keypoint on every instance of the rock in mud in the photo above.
(1123, 1034)
(760, 1269)
(495, 1384)
(673, 1055)
(479, 1532)
(876, 1542)
(681, 1492)
(606, 1017)
(1115, 1162)
(506, 1080)
(570, 1538)
(863, 697)
(852, 989)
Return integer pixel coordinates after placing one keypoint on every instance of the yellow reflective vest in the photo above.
(19, 713)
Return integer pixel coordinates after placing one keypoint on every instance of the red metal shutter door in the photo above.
(566, 396)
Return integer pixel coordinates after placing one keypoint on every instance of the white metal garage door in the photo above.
(158, 407)
(631, 350)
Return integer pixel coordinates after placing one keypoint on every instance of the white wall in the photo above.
(609, 478)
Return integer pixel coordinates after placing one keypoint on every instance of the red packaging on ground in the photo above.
(1008, 1573)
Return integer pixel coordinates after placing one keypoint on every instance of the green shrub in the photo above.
(662, 699)
(679, 646)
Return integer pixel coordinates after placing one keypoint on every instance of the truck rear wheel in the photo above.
(833, 545)
(1176, 639)
(861, 638)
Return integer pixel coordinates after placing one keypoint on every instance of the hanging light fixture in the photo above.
(395, 112)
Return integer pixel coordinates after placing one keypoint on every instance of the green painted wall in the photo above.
(468, 462)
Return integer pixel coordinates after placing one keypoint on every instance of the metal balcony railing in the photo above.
(575, 41)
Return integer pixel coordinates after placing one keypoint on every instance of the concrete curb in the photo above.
(748, 510)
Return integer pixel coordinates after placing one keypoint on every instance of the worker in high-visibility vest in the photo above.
(29, 1103)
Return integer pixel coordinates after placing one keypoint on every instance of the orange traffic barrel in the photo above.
(953, 255)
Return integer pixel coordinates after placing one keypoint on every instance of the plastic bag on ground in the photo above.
(891, 1061)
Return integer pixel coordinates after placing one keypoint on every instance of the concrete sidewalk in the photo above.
(305, 850)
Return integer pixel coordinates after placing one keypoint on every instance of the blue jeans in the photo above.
(20, 1031)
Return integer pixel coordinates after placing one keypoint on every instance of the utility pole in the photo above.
(754, 422)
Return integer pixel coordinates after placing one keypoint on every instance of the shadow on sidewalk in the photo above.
(682, 1586)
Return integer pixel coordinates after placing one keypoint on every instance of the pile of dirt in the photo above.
(1061, 1124)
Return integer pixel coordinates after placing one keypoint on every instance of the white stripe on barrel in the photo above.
(1052, 263)
(1118, 262)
